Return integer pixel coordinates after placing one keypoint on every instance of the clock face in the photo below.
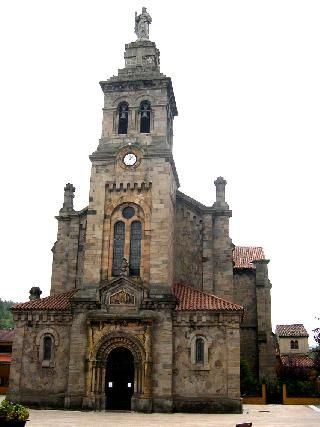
(130, 159)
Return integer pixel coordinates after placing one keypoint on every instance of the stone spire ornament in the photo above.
(35, 293)
(68, 198)
(142, 22)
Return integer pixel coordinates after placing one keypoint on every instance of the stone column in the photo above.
(233, 365)
(222, 244)
(148, 363)
(94, 234)
(78, 350)
(65, 249)
(266, 348)
(207, 253)
(162, 345)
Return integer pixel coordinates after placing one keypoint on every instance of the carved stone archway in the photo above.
(96, 374)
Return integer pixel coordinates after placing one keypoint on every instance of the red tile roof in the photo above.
(191, 299)
(295, 330)
(6, 334)
(59, 302)
(297, 361)
(244, 255)
(5, 358)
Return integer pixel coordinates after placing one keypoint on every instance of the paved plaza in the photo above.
(259, 415)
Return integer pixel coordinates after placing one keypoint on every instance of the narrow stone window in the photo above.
(199, 350)
(123, 111)
(296, 344)
(47, 348)
(118, 247)
(135, 248)
(145, 117)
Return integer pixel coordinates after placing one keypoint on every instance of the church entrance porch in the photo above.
(119, 382)
(119, 366)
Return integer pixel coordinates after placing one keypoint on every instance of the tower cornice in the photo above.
(136, 83)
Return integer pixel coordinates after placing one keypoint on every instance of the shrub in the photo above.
(301, 388)
(13, 411)
(248, 385)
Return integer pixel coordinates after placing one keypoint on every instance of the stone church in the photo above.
(151, 305)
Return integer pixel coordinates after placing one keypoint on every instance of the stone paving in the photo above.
(259, 415)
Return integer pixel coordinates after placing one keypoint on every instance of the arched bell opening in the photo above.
(119, 383)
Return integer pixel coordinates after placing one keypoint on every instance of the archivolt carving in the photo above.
(119, 339)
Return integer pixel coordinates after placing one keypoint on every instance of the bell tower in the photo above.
(133, 180)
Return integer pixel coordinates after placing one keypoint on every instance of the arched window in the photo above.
(294, 344)
(47, 348)
(199, 349)
(145, 117)
(123, 110)
(118, 247)
(135, 248)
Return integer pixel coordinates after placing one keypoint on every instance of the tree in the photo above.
(6, 318)
(316, 335)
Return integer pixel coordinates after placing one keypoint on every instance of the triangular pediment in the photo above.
(121, 293)
(120, 282)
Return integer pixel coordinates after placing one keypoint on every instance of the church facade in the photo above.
(151, 305)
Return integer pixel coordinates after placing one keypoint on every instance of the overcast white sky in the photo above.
(247, 86)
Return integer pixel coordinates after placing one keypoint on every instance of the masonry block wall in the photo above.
(30, 381)
(218, 380)
(245, 293)
(188, 249)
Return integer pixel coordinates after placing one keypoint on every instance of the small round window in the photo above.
(128, 212)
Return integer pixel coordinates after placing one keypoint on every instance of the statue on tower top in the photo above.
(142, 23)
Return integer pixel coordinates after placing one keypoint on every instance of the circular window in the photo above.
(128, 212)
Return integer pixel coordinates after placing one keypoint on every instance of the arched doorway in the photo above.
(119, 383)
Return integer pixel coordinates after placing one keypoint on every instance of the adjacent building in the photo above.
(6, 339)
(293, 346)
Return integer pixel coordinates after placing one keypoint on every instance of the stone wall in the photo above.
(162, 345)
(213, 386)
(77, 362)
(245, 295)
(68, 252)
(257, 344)
(31, 380)
(188, 246)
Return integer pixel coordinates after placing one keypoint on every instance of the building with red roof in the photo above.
(151, 304)
(293, 346)
(6, 339)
